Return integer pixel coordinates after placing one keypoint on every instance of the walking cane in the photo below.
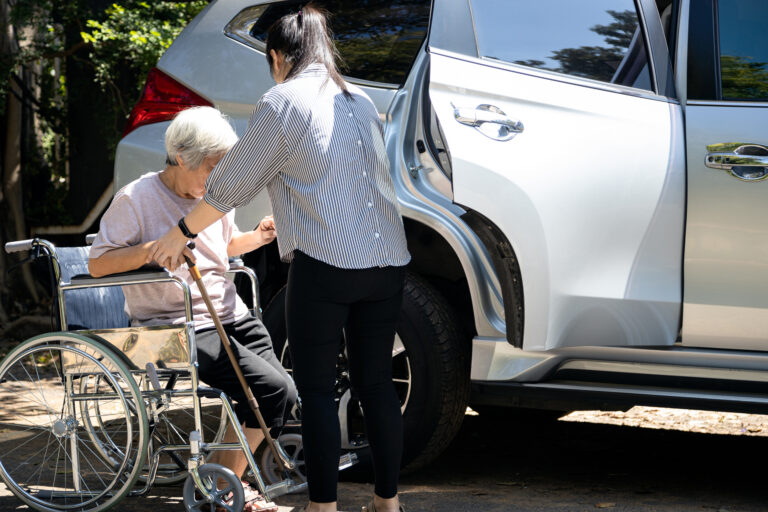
(280, 456)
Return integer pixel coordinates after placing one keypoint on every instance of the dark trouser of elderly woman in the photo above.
(321, 301)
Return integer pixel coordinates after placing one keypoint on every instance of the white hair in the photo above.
(196, 134)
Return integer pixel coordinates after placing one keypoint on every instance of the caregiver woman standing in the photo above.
(316, 143)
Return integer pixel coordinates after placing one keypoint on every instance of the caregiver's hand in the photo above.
(168, 250)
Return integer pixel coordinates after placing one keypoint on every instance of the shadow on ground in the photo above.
(514, 464)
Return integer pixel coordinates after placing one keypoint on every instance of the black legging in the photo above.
(321, 300)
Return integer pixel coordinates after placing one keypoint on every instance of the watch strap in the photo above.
(184, 229)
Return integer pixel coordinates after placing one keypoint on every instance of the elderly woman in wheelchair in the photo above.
(103, 403)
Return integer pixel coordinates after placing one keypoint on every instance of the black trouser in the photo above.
(321, 301)
(252, 347)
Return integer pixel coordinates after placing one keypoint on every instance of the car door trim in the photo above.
(658, 50)
(725, 103)
(558, 77)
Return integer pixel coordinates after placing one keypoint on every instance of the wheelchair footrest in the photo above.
(288, 486)
(347, 460)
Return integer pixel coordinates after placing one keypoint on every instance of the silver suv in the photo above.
(582, 187)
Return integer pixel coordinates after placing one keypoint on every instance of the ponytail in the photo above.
(304, 38)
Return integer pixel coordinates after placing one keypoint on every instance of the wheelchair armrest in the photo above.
(236, 265)
(142, 275)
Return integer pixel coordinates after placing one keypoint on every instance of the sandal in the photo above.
(371, 508)
(254, 501)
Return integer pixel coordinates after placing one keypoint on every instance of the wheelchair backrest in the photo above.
(89, 308)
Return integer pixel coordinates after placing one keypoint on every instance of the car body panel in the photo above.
(596, 221)
(726, 255)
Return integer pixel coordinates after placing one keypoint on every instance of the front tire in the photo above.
(430, 372)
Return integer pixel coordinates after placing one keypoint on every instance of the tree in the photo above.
(45, 45)
(600, 62)
(742, 79)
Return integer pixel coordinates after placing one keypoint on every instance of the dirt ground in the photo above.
(647, 459)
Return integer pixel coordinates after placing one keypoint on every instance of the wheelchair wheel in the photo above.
(221, 483)
(293, 446)
(171, 424)
(52, 460)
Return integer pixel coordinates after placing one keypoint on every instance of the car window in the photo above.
(377, 39)
(743, 49)
(599, 39)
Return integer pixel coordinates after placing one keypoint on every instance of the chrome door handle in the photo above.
(491, 121)
(748, 162)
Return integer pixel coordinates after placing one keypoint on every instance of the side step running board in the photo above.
(593, 395)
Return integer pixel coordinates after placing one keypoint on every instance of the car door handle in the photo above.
(748, 162)
(502, 127)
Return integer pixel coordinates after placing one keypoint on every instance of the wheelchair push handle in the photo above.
(20, 245)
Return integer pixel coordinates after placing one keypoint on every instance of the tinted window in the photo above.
(743, 28)
(377, 39)
(598, 39)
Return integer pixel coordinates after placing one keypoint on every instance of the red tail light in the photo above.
(160, 100)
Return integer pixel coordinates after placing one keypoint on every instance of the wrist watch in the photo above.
(184, 229)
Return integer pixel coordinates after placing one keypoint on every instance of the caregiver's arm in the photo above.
(167, 251)
(243, 172)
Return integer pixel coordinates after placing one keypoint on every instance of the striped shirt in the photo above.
(322, 158)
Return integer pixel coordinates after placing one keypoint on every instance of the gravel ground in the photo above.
(646, 459)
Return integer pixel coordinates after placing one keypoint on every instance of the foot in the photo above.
(254, 501)
(383, 505)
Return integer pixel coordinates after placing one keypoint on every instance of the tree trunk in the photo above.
(11, 202)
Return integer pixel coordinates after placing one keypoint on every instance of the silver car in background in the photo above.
(582, 184)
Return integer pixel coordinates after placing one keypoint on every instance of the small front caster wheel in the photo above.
(221, 483)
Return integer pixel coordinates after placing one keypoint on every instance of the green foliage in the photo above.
(620, 31)
(58, 49)
(743, 79)
(132, 36)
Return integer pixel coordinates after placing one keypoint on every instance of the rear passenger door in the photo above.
(562, 132)
(726, 256)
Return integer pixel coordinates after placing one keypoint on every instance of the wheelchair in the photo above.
(101, 410)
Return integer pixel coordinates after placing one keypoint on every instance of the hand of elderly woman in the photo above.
(168, 251)
(266, 230)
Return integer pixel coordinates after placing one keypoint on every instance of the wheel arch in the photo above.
(475, 255)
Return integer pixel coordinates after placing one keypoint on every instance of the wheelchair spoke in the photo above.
(170, 426)
(81, 443)
(84, 443)
(40, 386)
(6, 454)
(56, 469)
(43, 404)
(72, 464)
(43, 462)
